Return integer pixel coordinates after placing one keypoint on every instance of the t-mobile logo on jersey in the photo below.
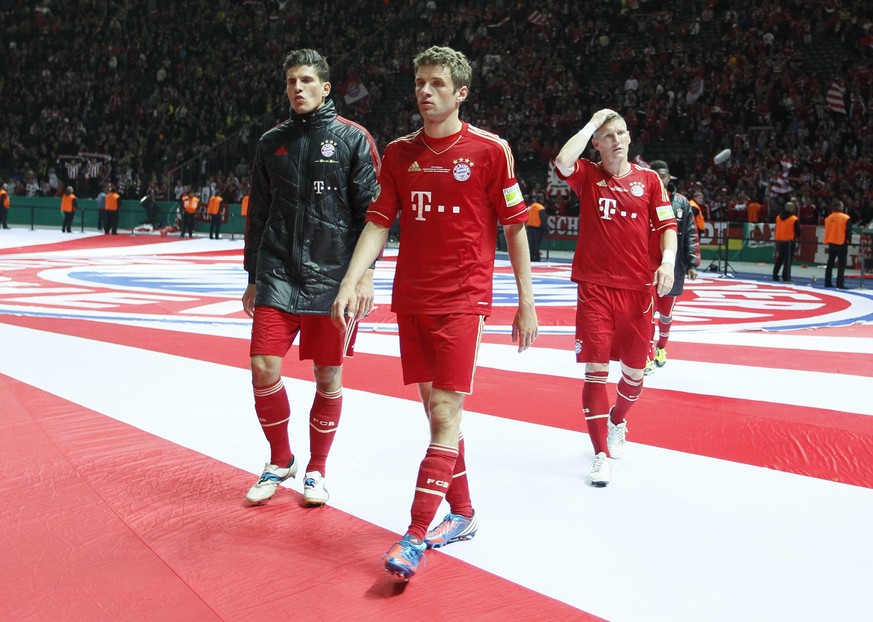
(421, 205)
(319, 187)
(608, 209)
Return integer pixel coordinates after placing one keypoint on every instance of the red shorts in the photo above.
(273, 332)
(440, 349)
(613, 325)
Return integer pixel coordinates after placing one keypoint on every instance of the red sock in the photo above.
(595, 406)
(434, 479)
(664, 331)
(271, 405)
(628, 392)
(458, 495)
(323, 423)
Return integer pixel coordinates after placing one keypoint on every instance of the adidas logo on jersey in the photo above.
(414, 168)
(602, 183)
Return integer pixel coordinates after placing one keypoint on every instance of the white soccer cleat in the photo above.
(269, 481)
(601, 470)
(615, 436)
(314, 492)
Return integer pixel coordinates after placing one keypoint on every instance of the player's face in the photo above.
(612, 141)
(305, 91)
(435, 93)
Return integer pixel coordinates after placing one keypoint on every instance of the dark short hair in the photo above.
(659, 165)
(310, 58)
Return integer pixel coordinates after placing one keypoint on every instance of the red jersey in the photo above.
(616, 217)
(451, 194)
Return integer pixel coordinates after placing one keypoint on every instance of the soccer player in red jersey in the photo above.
(620, 206)
(452, 183)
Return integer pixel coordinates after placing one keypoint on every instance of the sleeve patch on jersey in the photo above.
(665, 212)
(512, 195)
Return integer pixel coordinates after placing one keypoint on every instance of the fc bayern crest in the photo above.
(462, 169)
(328, 149)
(636, 189)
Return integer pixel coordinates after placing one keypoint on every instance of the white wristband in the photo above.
(668, 256)
(590, 128)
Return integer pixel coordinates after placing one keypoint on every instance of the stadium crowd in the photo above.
(159, 94)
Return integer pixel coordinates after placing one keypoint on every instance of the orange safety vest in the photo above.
(214, 205)
(245, 205)
(533, 218)
(4, 199)
(112, 202)
(835, 228)
(190, 203)
(785, 228)
(699, 221)
(67, 203)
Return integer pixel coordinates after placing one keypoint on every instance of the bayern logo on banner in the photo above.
(355, 91)
(836, 98)
(556, 187)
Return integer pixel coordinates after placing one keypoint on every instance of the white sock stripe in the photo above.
(445, 448)
(330, 395)
(461, 474)
(628, 397)
(590, 417)
(596, 378)
(264, 391)
(317, 429)
(269, 425)
(631, 381)
(442, 495)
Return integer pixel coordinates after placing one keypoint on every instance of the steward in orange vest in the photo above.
(838, 236)
(787, 233)
(214, 211)
(190, 202)
(69, 204)
(110, 219)
(4, 206)
(697, 209)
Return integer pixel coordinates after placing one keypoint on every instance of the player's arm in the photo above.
(524, 325)
(368, 248)
(565, 162)
(664, 273)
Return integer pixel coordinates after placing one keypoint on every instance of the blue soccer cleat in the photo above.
(454, 528)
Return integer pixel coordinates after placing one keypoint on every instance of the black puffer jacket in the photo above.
(686, 238)
(312, 181)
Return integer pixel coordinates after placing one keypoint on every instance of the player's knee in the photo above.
(265, 369)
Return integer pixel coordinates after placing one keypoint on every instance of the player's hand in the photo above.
(365, 294)
(344, 305)
(248, 300)
(664, 279)
(692, 273)
(524, 326)
(599, 117)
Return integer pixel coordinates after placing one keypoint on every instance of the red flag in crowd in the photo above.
(835, 99)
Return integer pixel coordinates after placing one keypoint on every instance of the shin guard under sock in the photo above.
(323, 423)
(271, 405)
(434, 480)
